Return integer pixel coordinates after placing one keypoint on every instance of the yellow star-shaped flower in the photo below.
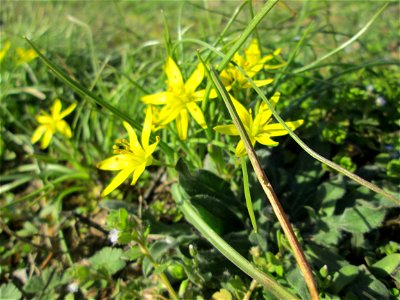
(131, 157)
(52, 123)
(252, 63)
(260, 128)
(25, 56)
(180, 99)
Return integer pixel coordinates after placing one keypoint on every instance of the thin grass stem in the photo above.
(344, 45)
(314, 154)
(247, 195)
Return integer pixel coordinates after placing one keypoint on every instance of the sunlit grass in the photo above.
(139, 240)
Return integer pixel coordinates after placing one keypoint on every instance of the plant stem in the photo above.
(253, 285)
(247, 194)
(163, 277)
(268, 189)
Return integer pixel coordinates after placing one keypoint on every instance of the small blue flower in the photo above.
(113, 236)
(380, 101)
(73, 287)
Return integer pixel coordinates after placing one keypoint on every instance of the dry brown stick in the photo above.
(269, 191)
(46, 261)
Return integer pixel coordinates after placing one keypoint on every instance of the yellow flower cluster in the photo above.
(23, 56)
(178, 102)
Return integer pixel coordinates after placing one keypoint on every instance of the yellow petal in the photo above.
(174, 75)
(266, 58)
(195, 79)
(273, 67)
(265, 140)
(117, 181)
(182, 122)
(25, 56)
(227, 129)
(44, 119)
(258, 83)
(237, 58)
(213, 93)
(277, 129)
(69, 110)
(4, 50)
(199, 95)
(46, 139)
(37, 134)
(197, 114)
(264, 113)
(274, 99)
(277, 51)
(147, 127)
(151, 148)
(133, 140)
(240, 149)
(158, 98)
(169, 113)
(56, 108)
(136, 174)
(253, 53)
(243, 113)
(254, 69)
(226, 77)
(115, 163)
(222, 295)
(64, 128)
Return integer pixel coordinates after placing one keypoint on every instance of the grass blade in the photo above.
(344, 45)
(247, 32)
(85, 92)
(247, 194)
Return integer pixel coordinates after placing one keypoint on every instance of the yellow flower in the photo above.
(52, 123)
(4, 50)
(252, 63)
(131, 157)
(259, 129)
(25, 56)
(180, 99)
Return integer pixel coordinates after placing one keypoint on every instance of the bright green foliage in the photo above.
(9, 291)
(60, 238)
(107, 261)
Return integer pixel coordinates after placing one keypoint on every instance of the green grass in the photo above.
(55, 226)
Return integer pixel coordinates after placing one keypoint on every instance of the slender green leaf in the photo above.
(344, 45)
(193, 217)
